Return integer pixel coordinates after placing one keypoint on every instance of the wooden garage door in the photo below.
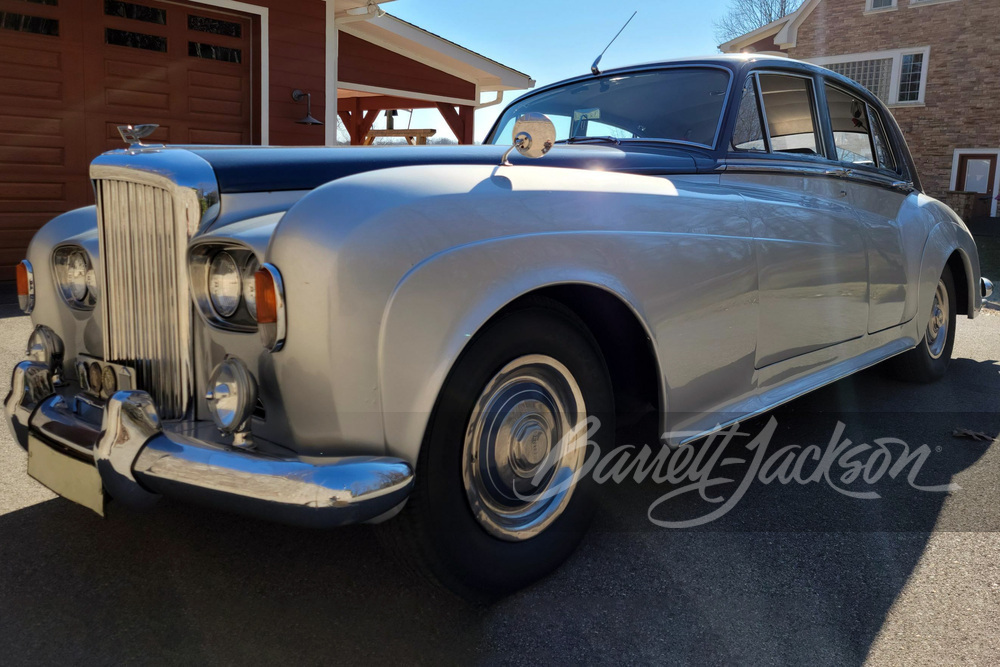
(72, 70)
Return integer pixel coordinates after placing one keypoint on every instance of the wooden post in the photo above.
(460, 120)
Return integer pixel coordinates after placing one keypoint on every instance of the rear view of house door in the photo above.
(977, 173)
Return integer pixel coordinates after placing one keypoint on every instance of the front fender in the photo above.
(440, 305)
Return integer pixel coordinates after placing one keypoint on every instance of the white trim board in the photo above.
(977, 151)
(265, 65)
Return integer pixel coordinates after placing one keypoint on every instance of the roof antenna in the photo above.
(593, 68)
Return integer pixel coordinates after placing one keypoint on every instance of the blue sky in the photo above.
(555, 39)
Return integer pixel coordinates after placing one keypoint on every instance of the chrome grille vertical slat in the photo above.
(146, 310)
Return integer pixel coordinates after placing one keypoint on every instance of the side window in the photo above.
(788, 107)
(851, 128)
(748, 135)
(883, 152)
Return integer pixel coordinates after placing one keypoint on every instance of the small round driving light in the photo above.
(232, 394)
(94, 377)
(109, 382)
(45, 347)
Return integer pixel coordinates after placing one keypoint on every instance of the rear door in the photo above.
(812, 264)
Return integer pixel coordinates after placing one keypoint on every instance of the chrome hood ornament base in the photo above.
(134, 134)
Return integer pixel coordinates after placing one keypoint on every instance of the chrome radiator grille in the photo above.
(145, 294)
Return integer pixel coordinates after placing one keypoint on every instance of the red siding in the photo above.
(298, 60)
(365, 63)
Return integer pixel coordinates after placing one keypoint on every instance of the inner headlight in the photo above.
(75, 277)
(224, 284)
(250, 285)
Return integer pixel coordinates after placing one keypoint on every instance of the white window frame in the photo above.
(959, 152)
(897, 69)
(871, 9)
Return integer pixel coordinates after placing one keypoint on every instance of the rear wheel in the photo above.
(495, 506)
(929, 361)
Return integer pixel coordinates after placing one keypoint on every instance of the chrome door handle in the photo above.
(903, 186)
(839, 173)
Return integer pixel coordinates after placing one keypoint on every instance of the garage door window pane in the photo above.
(788, 107)
(130, 10)
(33, 24)
(214, 26)
(213, 52)
(135, 40)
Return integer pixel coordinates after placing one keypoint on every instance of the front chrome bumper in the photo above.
(139, 459)
(987, 288)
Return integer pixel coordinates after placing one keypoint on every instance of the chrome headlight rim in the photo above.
(200, 256)
(231, 395)
(78, 292)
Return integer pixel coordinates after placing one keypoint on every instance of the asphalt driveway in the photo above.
(792, 574)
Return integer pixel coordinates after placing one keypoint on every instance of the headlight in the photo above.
(224, 284)
(75, 277)
(250, 285)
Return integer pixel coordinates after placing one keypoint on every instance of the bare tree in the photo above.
(743, 16)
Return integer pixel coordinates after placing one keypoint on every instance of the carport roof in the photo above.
(415, 42)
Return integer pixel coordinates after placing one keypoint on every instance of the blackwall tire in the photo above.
(512, 393)
(929, 360)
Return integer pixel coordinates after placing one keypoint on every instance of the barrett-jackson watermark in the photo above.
(701, 468)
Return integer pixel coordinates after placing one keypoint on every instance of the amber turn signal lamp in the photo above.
(270, 298)
(267, 309)
(25, 286)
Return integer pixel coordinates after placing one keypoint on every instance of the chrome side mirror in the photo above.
(534, 135)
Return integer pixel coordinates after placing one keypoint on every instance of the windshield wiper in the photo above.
(591, 140)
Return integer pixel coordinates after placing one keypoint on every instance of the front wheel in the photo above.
(929, 360)
(495, 505)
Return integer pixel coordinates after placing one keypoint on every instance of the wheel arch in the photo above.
(606, 310)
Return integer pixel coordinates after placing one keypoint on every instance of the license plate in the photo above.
(71, 478)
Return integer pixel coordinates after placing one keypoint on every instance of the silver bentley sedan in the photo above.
(431, 338)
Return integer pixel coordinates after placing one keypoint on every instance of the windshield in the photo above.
(681, 104)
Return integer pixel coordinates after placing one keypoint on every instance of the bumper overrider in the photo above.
(138, 459)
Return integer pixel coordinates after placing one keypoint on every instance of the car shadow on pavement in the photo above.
(793, 573)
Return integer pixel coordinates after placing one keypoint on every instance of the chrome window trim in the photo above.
(490, 138)
(831, 170)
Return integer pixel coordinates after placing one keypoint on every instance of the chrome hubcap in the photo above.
(524, 444)
(937, 328)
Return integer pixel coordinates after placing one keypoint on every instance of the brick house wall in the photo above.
(962, 97)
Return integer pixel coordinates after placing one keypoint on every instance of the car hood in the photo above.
(261, 169)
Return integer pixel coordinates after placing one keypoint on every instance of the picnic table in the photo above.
(413, 137)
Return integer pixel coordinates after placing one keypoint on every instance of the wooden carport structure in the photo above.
(384, 63)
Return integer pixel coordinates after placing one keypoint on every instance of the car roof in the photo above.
(732, 61)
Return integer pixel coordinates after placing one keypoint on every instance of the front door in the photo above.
(977, 173)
